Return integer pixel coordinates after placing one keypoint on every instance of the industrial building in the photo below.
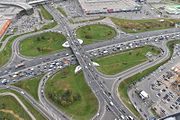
(108, 6)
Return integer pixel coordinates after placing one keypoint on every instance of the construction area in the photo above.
(171, 100)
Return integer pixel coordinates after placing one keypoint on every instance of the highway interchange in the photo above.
(103, 86)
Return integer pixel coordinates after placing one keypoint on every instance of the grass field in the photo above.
(136, 26)
(46, 15)
(61, 10)
(36, 113)
(9, 103)
(5, 115)
(70, 93)
(89, 20)
(95, 33)
(30, 86)
(49, 25)
(124, 60)
(123, 87)
(42, 44)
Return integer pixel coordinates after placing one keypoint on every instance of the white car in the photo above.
(22, 92)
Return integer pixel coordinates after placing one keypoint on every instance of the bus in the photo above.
(19, 65)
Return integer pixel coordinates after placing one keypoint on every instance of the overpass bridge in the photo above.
(27, 7)
(34, 2)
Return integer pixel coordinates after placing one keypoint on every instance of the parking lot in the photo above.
(163, 92)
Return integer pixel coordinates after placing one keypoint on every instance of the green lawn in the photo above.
(70, 93)
(154, 113)
(4, 37)
(136, 26)
(36, 113)
(42, 44)
(9, 103)
(49, 25)
(30, 86)
(95, 33)
(46, 15)
(89, 20)
(61, 10)
(123, 87)
(6, 116)
(124, 60)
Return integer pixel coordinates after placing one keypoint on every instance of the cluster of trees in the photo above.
(43, 49)
(2, 106)
(65, 98)
(39, 38)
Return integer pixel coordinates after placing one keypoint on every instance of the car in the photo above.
(22, 92)
(158, 94)
(111, 103)
(130, 118)
(108, 109)
(122, 117)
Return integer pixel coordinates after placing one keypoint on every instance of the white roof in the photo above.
(143, 93)
(104, 5)
(66, 44)
(77, 69)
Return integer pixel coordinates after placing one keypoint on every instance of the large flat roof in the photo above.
(95, 5)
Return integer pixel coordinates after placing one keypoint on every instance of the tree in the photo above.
(39, 49)
(38, 39)
(88, 36)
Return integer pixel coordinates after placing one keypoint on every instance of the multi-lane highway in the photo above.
(90, 72)
(105, 93)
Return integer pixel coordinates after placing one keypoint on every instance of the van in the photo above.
(130, 118)
(122, 117)
(111, 103)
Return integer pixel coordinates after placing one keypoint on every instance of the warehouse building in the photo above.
(108, 6)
